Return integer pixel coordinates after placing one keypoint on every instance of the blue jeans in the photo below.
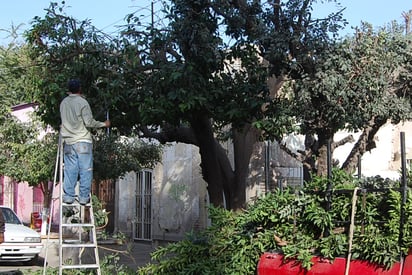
(78, 162)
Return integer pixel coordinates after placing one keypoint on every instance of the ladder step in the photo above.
(76, 204)
(77, 225)
(80, 266)
(69, 215)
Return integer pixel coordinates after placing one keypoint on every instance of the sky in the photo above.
(107, 14)
(377, 12)
(104, 14)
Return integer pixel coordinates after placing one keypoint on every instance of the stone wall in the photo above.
(179, 193)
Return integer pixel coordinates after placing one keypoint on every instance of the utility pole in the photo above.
(152, 7)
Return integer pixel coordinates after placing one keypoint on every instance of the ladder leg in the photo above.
(73, 220)
(81, 235)
(56, 169)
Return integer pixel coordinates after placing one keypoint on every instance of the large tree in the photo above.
(25, 157)
(199, 79)
(357, 84)
(29, 152)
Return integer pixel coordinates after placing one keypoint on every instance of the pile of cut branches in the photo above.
(296, 224)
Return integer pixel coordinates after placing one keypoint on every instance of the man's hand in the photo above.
(107, 122)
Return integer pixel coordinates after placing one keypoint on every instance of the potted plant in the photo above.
(101, 216)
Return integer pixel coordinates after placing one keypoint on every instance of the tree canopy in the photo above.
(29, 148)
(357, 85)
(185, 82)
(242, 70)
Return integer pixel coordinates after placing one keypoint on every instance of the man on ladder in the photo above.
(76, 116)
(76, 142)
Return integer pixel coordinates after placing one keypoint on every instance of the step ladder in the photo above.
(77, 231)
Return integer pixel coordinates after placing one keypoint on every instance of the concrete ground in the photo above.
(132, 254)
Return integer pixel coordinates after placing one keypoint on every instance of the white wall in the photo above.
(179, 193)
(384, 160)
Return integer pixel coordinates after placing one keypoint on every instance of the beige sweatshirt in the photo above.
(76, 116)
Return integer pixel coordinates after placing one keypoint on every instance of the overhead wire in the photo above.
(140, 9)
(137, 10)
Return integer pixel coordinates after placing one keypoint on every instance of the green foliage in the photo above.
(295, 224)
(358, 83)
(177, 83)
(108, 265)
(201, 73)
(222, 249)
(345, 88)
(25, 156)
(111, 265)
(18, 76)
(115, 155)
(101, 216)
(30, 155)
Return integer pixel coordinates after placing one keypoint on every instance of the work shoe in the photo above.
(68, 201)
(84, 201)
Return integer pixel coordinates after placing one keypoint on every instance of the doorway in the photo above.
(143, 221)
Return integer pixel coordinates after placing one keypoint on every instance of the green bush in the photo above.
(295, 223)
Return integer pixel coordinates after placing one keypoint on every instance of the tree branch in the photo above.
(170, 133)
(343, 141)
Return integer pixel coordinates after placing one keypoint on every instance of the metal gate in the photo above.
(143, 221)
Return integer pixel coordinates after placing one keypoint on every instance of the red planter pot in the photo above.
(272, 263)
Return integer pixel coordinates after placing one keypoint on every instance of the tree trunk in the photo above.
(222, 180)
(228, 176)
(322, 163)
(211, 171)
(226, 185)
(47, 193)
(322, 153)
(243, 143)
(365, 143)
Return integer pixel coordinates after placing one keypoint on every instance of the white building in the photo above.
(165, 203)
